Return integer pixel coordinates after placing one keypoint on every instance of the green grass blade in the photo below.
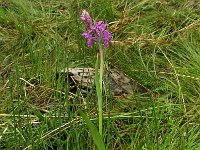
(94, 132)
(39, 115)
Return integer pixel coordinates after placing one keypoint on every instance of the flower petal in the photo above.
(89, 42)
(98, 32)
(106, 42)
(103, 26)
(98, 23)
(85, 34)
(107, 34)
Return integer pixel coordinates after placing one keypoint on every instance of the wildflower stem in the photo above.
(101, 87)
(99, 84)
(101, 66)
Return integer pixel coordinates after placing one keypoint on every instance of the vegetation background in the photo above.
(155, 42)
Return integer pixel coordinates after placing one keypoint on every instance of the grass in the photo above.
(155, 42)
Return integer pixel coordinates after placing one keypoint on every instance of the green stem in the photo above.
(101, 67)
(99, 84)
(101, 89)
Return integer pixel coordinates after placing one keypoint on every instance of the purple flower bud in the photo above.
(86, 17)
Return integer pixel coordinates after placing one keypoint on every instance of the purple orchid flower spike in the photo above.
(96, 32)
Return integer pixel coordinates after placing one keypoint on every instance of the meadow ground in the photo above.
(155, 42)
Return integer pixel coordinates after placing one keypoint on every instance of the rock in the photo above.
(115, 81)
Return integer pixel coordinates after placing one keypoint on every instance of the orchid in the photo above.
(96, 32)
